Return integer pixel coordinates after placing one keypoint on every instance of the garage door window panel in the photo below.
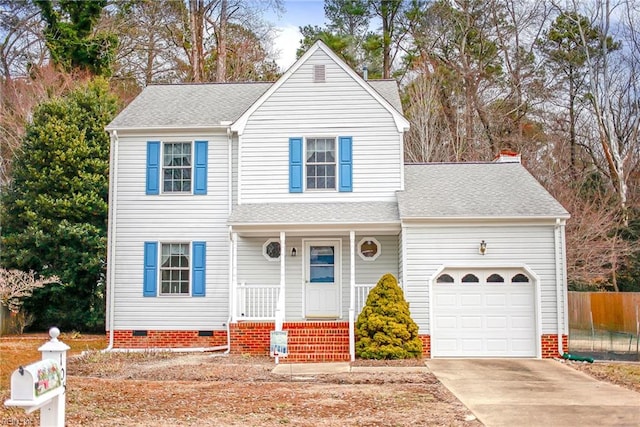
(495, 278)
(470, 278)
(520, 278)
(444, 278)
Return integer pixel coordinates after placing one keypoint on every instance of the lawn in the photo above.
(206, 389)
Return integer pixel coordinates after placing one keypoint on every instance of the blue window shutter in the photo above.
(198, 268)
(153, 167)
(150, 269)
(200, 175)
(295, 165)
(346, 164)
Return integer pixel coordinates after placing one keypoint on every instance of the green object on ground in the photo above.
(570, 356)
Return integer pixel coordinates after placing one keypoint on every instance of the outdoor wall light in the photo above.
(294, 252)
(483, 247)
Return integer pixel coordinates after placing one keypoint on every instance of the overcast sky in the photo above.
(298, 13)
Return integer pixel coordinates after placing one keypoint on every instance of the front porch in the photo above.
(312, 284)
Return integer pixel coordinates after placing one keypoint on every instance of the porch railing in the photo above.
(257, 302)
(362, 292)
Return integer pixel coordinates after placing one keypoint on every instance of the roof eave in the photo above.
(496, 219)
(165, 128)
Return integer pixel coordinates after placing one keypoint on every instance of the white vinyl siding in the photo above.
(170, 218)
(254, 269)
(430, 247)
(301, 108)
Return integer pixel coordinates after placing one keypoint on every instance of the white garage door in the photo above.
(483, 314)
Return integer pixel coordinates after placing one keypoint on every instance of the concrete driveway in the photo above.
(527, 392)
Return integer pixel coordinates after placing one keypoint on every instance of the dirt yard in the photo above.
(204, 389)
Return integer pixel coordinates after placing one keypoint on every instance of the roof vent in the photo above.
(319, 73)
(507, 156)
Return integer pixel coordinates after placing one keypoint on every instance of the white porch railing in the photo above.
(362, 292)
(257, 302)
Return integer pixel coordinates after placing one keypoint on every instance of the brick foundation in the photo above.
(549, 344)
(168, 339)
(307, 341)
(426, 346)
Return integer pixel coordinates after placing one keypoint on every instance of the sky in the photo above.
(297, 13)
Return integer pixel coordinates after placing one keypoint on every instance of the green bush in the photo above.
(385, 329)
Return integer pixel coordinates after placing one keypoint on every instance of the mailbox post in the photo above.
(41, 385)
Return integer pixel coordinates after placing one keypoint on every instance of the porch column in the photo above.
(280, 307)
(352, 295)
(233, 275)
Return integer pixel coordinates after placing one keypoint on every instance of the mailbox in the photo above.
(37, 381)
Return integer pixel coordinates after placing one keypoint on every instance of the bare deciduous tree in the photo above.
(16, 285)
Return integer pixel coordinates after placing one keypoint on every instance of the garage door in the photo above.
(483, 314)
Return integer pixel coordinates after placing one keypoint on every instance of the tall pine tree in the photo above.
(54, 213)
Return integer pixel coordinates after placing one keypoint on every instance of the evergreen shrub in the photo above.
(385, 329)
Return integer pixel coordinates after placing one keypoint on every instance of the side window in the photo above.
(369, 249)
(174, 269)
(271, 249)
(177, 167)
(178, 269)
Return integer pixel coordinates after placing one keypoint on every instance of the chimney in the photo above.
(365, 72)
(507, 156)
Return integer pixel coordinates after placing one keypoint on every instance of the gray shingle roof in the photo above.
(388, 89)
(316, 213)
(207, 104)
(474, 190)
(188, 105)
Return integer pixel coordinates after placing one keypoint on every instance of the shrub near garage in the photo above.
(385, 329)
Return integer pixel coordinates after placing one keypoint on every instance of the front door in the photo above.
(322, 283)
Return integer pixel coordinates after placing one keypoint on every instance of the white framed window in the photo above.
(321, 163)
(177, 167)
(175, 269)
(369, 249)
(271, 249)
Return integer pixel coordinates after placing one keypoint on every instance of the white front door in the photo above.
(322, 282)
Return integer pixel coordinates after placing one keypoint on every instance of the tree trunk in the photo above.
(196, 21)
(221, 60)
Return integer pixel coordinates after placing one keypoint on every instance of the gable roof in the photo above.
(206, 105)
(474, 191)
(402, 124)
(188, 105)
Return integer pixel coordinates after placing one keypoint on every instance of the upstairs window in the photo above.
(176, 167)
(321, 163)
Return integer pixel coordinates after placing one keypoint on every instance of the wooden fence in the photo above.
(610, 311)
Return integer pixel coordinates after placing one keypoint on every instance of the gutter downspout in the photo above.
(352, 296)
(559, 282)
(232, 288)
(231, 242)
(111, 235)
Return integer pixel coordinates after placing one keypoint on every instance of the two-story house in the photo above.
(241, 208)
